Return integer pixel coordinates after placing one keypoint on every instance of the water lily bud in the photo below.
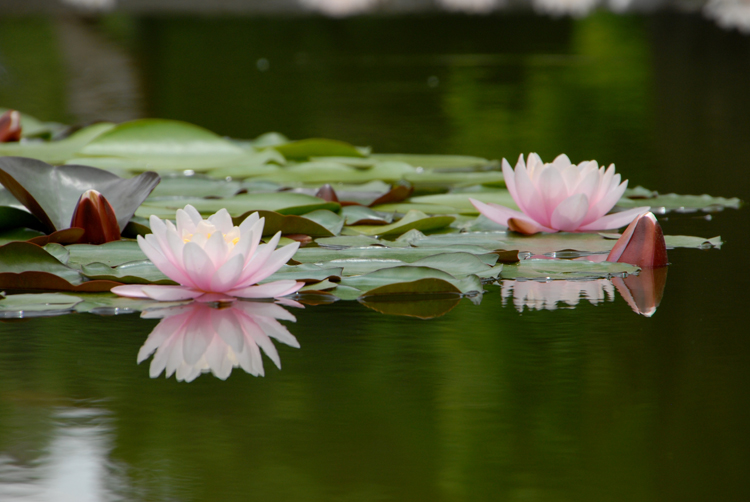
(10, 126)
(95, 215)
(641, 244)
(327, 193)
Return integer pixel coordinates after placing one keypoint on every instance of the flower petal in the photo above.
(130, 291)
(501, 214)
(268, 290)
(274, 262)
(226, 276)
(614, 220)
(198, 266)
(170, 293)
(570, 213)
(222, 221)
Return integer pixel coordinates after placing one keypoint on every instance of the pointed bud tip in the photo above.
(96, 216)
(641, 244)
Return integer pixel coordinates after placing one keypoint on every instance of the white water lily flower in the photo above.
(212, 260)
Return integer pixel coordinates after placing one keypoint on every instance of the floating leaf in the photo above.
(317, 147)
(440, 179)
(456, 264)
(566, 269)
(12, 217)
(292, 224)
(389, 276)
(195, 186)
(436, 161)
(280, 202)
(306, 273)
(678, 203)
(330, 172)
(28, 267)
(19, 234)
(164, 144)
(56, 152)
(406, 254)
(41, 302)
(134, 272)
(681, 241)
(51, 193)
(412, 220)
(460, 201)
(361, 215)
(112, 253)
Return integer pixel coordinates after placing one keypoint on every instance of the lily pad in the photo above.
(56, 152)
(306, 273)
(436, 161)
(51, 193)
(317, 147)
(12, 217)
(411, 220)
(330, 172)
(460, 201)
(682, 241)
(134, 272)
(361, 215)
(280, 202)
(681, 203)
(164, 144)
(319, 223)
(566, 269)
(40, 302)
(195, 186)
(390, 276)
(111, 254)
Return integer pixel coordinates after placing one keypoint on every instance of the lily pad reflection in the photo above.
(200, 338)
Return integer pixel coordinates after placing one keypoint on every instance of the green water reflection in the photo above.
(483, 403)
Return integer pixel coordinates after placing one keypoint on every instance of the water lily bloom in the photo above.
(212, 260)
(560, 196)
(197, 338)
(95, 215)
(641, 244)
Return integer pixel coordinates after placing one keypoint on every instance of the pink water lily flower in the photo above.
(212, 259)
(560, 196)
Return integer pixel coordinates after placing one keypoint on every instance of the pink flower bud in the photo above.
(95, 215)
(10, 126)
(641, 244)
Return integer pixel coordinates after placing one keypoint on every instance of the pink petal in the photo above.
(510, 181)
(551, 187)
(226, 276)
(570, 213)
(277, 260)
(130, 291)
(198, 266)
(501, 214)
(170, 293)
(217, 249)
(162, 263)
(268, 290)
(614, 220)
(222, 221)
(256, 261)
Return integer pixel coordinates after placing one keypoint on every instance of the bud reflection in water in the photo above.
(198, 338)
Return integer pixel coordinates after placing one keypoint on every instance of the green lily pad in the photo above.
(411, 220)
(112, 253)
(41, 302)
(306, 273)
(330, 172)
(681, 203)
(134, 272)
(405, 207)
(451, 179)
(681, 241)
(280, 202)
(195, 186)
(456, 264)
(361, 215)
(19, 234)
(460, 201)
(12, 217)
(389, 276)
(436, 161)
(164, 144)
(566, 269)
(317, 147)
(320, 223)
(56, 152)
(51, 193)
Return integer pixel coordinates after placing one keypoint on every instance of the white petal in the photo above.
(217, 249)
(170, 293)
(277, 260)
(222, 221)
(227, 275)
(615, 220)
(269, 290)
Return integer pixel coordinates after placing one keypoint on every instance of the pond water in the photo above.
(511, 396)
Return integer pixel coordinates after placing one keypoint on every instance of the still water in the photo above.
(512, 396)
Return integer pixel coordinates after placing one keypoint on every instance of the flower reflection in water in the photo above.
(536, 295)
(200, 337)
